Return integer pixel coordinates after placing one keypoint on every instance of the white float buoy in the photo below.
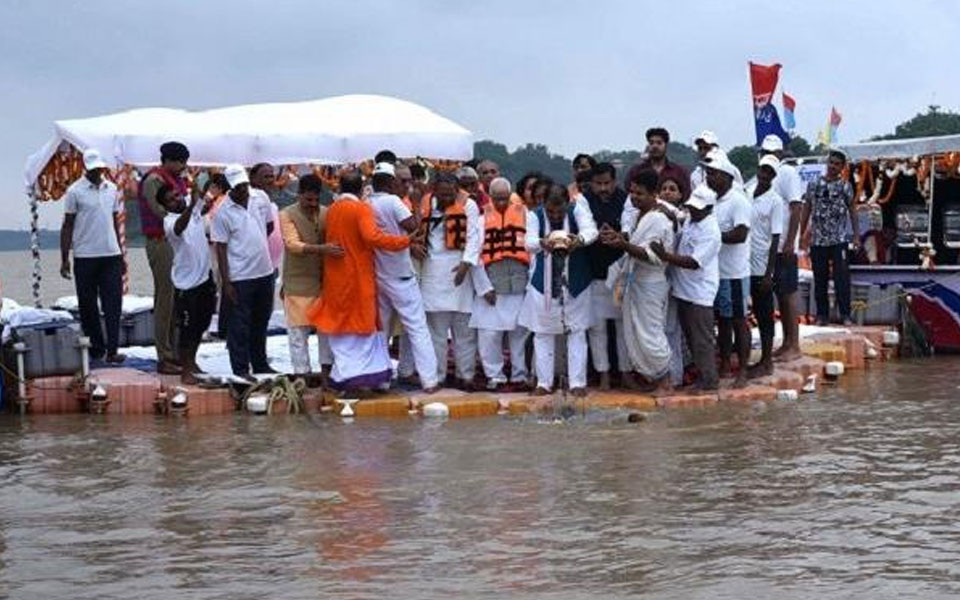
(810, 385)
(833, 369)
(257, 404)
(99, 393)
(787, 395)
(871, 351)
(437, 410)
(179, 399)
(891, 338)
(347, 410)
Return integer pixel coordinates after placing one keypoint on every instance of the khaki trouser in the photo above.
(160, 257)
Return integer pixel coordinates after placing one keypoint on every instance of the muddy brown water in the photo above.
(852, 493)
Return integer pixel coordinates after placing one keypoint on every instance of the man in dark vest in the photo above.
(606, 200)
(173, 161)
(558, 295)
(302, 227)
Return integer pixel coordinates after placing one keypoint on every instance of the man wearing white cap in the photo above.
(397, 288)
(790, 188)
(766, 228)
(703, 144)
(695, 279)
(733, 216)
(90, 227)
(239, 231)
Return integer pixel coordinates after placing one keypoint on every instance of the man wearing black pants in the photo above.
(239, 231)
(828, 207)
(90, 227)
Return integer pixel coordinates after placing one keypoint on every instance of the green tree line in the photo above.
(537, 157)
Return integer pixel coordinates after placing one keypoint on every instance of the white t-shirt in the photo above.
(244, 231)
(701, 241)
(790, 188)
(390, 211)
(733, 210)
(94, 207)
(191, 251)
(767, 221)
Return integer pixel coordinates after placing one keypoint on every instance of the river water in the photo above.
(852, 493)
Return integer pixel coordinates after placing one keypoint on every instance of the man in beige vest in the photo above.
(301, 225)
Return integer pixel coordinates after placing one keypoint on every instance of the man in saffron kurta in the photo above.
(347, 311)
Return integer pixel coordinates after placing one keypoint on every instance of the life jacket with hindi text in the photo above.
(504, 234)
(453, 220)
(151, 224)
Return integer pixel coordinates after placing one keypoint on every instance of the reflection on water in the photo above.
(851, 494)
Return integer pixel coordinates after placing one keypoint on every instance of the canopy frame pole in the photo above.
(933, 186)
(35, 247)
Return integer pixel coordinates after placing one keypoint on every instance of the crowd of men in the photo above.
(654, 278)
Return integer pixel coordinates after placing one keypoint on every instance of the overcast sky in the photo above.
(573, 75)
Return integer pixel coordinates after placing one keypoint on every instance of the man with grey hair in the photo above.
(470, 185)
(500, 281)
(488, 171)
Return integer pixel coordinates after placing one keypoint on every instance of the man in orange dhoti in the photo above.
(347, 311)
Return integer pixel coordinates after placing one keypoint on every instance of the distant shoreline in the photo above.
(13, 240)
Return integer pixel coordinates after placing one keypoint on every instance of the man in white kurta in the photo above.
(558, 296)
(453, 249)
(500, 282)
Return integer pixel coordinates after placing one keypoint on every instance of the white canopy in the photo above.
(342, 129)
(902, 148)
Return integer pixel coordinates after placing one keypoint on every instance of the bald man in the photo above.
(500, 281)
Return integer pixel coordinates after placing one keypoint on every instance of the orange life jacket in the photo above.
(454, 221)
(504, 234)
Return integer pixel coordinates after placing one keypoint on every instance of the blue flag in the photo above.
(763, 83)
(768, 122)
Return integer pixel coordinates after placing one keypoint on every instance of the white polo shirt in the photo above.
(733, 210)
(244, 231)
(701, 241)
(766, 222)
(191, 251)
(390, 211)
(790, 188)
(94, 206)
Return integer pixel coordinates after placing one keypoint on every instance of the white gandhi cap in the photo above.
(236, 175)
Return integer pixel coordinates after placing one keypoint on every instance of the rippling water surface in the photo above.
(853, 493)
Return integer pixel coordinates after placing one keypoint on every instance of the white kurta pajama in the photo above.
(545, 318)
(645, 295)
(491, 323)
(448, 306)
(398, 290)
